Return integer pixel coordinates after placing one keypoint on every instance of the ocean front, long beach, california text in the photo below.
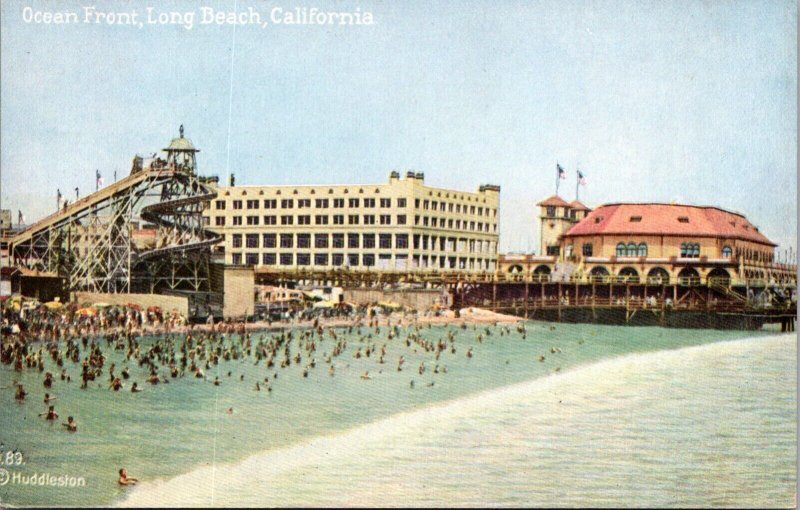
(189, 19)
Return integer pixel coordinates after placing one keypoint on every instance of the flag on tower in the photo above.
(561, 173)
(581, 179)
(20, 217)
(99, 178)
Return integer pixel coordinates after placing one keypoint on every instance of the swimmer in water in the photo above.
(51, 414)
(124, 479)
(365, 375)
(48, 398)
(135, 388)
(71, 425)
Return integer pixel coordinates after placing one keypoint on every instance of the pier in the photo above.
(719, 303)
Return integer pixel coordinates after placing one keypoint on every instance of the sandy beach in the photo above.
(467, 316)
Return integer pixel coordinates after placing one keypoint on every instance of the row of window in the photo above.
(354, 259)
(433, 205)
(354, 240)
(688, 250)
(305, 219)
(339, 203)
(569, 213)
(320, 240)
(434, 222)
(630, 250)
(352, 219)
(692, 250)
(319, 203)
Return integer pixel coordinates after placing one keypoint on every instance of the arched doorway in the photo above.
(629, 275)
(658, 276)
(541, 273)
(719, 276)
(516, 268)
(689, 276)
(598, 274)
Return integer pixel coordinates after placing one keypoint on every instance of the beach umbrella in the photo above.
(101, 305)
(134, 306)
(53, 305)
(324, 304)
(87, 312)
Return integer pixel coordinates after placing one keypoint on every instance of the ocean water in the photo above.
(634, 417)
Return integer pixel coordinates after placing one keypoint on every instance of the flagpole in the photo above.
(558, 177)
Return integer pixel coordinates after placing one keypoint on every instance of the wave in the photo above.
(248, 482)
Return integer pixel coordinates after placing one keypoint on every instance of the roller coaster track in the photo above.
(92, 243)
(161, 214)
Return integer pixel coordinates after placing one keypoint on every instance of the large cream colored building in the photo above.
(399, 225)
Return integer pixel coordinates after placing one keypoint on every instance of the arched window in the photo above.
(621, 250)
(631, 249)
(642, 249)
(726, 252)
(690, 250)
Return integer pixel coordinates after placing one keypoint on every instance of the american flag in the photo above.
(561, 173)
(581, 179)
(98, 177)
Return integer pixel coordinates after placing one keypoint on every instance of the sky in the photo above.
(687, 101)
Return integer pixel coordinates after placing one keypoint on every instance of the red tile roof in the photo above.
(662, 219)
(554, 200)
(578, 206)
